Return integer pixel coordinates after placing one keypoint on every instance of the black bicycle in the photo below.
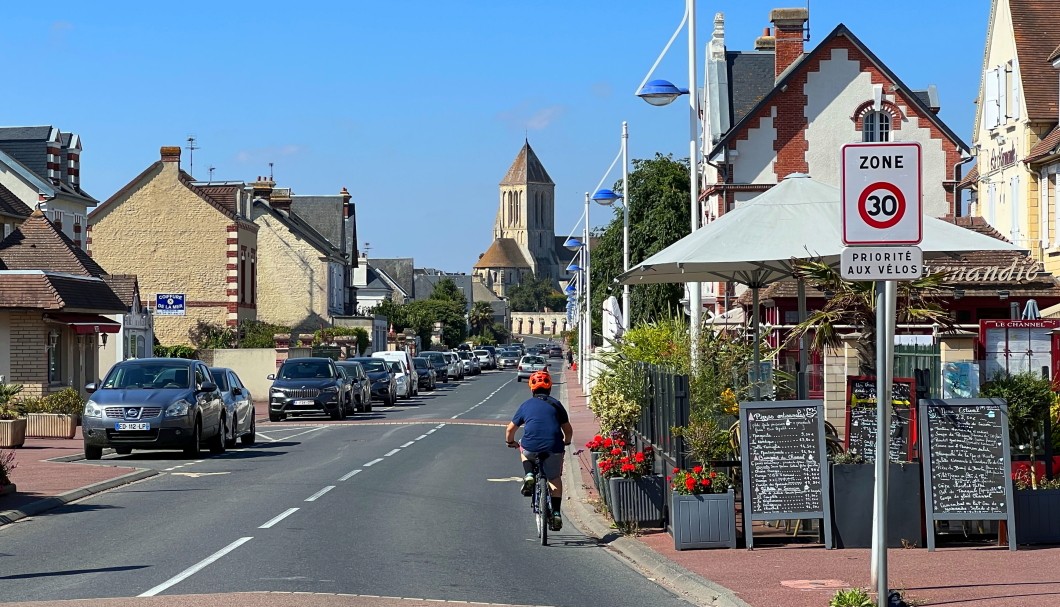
(541, 499)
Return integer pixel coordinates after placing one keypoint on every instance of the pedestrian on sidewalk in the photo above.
(570, 359)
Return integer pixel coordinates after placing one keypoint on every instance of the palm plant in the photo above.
(853, 304)
(480, 317)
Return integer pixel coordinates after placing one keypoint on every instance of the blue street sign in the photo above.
(169, 304)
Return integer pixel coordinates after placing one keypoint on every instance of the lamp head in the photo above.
(572, 244)
(570, 290)
(573, 267)
(660, 92)
(606, 197)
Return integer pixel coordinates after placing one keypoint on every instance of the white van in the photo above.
(406, 359)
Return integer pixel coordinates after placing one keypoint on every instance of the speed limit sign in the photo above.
(881, 194)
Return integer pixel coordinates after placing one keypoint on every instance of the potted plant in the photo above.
(702, 509)
(634, 494)
(7, 465)
(12, 428)
(54, 416)
(1036, 502)
(597, 447)
(853, 481)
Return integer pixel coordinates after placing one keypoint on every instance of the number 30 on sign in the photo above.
(881, 194)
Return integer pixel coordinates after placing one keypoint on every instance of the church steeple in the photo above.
(526, 211)
(526, 169)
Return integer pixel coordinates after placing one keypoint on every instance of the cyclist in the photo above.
(546, 429)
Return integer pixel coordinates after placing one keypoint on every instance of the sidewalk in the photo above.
(788, 574)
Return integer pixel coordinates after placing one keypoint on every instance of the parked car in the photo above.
(154, 403)
(384, 386)
(517, 346)
(406, 362)
(508, 359)
(471, 365)
(494, 353)
(440, 365)
(528, 364)
(239, 404)
(347, 390)
(484, 359)
(360, 383)
(456, 365)
(425, 371)
(307, 385)
(402, 378)
(555, 352)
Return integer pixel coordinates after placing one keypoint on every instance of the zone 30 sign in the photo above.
(881, 194)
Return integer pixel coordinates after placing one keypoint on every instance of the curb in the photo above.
(49, 503)
(686, 584)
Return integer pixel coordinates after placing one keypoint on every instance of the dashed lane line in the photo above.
(279, 517)
(350, 474)
(408, 444)
(318, 494)
(373, 462)
(190, 571)
(391, 452)
(483, 401)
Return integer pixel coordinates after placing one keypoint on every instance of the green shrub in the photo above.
(66, 401)
(1029, 398)
(258, 334)
(851, 597)
(180, 351)
(7, 392)
(8, 413)
(7, 465)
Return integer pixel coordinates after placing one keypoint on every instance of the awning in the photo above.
(84, 324)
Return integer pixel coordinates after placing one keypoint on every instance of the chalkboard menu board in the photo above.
(784, 463)
(967, 465)
(861, 418)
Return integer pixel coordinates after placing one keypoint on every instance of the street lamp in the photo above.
(662, 92)
(608, 198)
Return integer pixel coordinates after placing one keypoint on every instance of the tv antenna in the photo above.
(367, 247)
(270, 172)
(211, 169)
(191, 154)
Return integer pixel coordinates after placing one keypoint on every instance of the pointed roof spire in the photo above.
(526, 168)
(38, 245)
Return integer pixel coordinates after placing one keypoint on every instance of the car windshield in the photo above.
(482, 353)
(305, 369)
(533, 360)
(220, 377)
(349, 368)
(150, 375)
(421, 363)
(395, 367)
(373, 365)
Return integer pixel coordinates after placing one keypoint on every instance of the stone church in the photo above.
(525, 243)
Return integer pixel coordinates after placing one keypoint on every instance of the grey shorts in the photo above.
(552, 466)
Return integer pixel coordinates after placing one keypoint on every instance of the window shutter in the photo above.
(1014, 216)
(1002, 94)
(991, 204)
(1056, 210)
(1014, 100)
(990, 99)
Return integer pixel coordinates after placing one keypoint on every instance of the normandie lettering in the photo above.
(1014, 273)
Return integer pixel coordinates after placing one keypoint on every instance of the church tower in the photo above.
(526, 213)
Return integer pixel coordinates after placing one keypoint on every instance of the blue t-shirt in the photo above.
(541, 418)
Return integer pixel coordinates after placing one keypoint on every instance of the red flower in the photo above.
(713, 474)
(624, 460)
(608, 442)
(705, 482)
(616, 451)
(676, 470)
(669, 478)
(690, 483)
(639, 457)
(621, 443)
(697, 469)
(628, 467)
(647, 449)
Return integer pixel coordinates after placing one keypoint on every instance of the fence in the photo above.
(666, 405)
(908, 358)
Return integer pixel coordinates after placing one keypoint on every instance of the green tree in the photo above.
(446, 289)
(422, 314)
(535, 295)
(394, 313)
(658, 217)
(480, 317)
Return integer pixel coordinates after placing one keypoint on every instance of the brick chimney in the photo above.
(788, 24)
(171, 153)
(347, 210)
(766, 42)
(281, 199)
(262, 189)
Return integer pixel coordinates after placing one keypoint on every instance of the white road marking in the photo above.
(420, 437)
(260, 434)
(315, 496)
(373, 462)
(318, 428)
(278, 518)
(348, 475)
(198, 474)
(483, 401)
(190, 571)
(408, 444)
(391, 452)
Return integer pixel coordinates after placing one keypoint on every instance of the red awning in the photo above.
(84, 324)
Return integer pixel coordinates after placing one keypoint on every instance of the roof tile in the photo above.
(503, 253)
(11, 205)
(526, 168)
(37, 245)
(1033, 24)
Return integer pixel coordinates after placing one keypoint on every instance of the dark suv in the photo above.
(307, 385)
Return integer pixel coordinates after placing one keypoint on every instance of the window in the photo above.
(242, 275)
(55, 348)
(1014, 91)
(876, 127)
(1014, 217)
(253, 276)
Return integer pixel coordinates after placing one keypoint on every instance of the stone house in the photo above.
(181, 237)
(52, 298)
(41, 166)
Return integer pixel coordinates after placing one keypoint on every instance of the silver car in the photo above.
(239, 405)
(529, 364)
(508, 359)
(154, 403)
(456, 365)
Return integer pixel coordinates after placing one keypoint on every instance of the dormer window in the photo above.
(876, 127)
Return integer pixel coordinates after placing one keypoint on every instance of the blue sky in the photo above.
(417, 107)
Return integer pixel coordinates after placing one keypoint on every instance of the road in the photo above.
(415, 501)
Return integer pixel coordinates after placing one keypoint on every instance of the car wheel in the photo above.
(359, 406)
(368, 406)
(218, 441)
(194, 448)
(123, 450)
(339, 412)
(275, 417)
(391, 399)
(92, 452)
(230, 437)
(518, 378)
(248, 439)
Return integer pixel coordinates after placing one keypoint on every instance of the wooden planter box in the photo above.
(637, 501)
(703, 521)
(1037, 516)
(12, 433)
(51, 425)
(852, 499)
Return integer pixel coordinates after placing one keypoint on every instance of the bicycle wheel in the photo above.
(544, 510)
(535, 507)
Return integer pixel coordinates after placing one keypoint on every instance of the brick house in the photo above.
(183, 237)
(41, 166)
(52, 298)
(779, 110)
(12, 211)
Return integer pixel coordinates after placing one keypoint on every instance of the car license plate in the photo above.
(304, 403)
(132, 426)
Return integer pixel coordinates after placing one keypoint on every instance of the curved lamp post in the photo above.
(663, 92)
(608, 198)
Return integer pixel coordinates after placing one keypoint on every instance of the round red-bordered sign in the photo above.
(878, 216)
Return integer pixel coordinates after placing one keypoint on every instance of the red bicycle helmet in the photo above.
(540, 380)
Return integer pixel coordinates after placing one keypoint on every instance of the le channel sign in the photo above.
(881, 193)
(881, 263)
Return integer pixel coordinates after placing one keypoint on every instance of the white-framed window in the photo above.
(876, 127)
(1002, 93)
(1012, 73)
(1014, 214)
(1043, 208)
(991, 204)
(991, 113)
